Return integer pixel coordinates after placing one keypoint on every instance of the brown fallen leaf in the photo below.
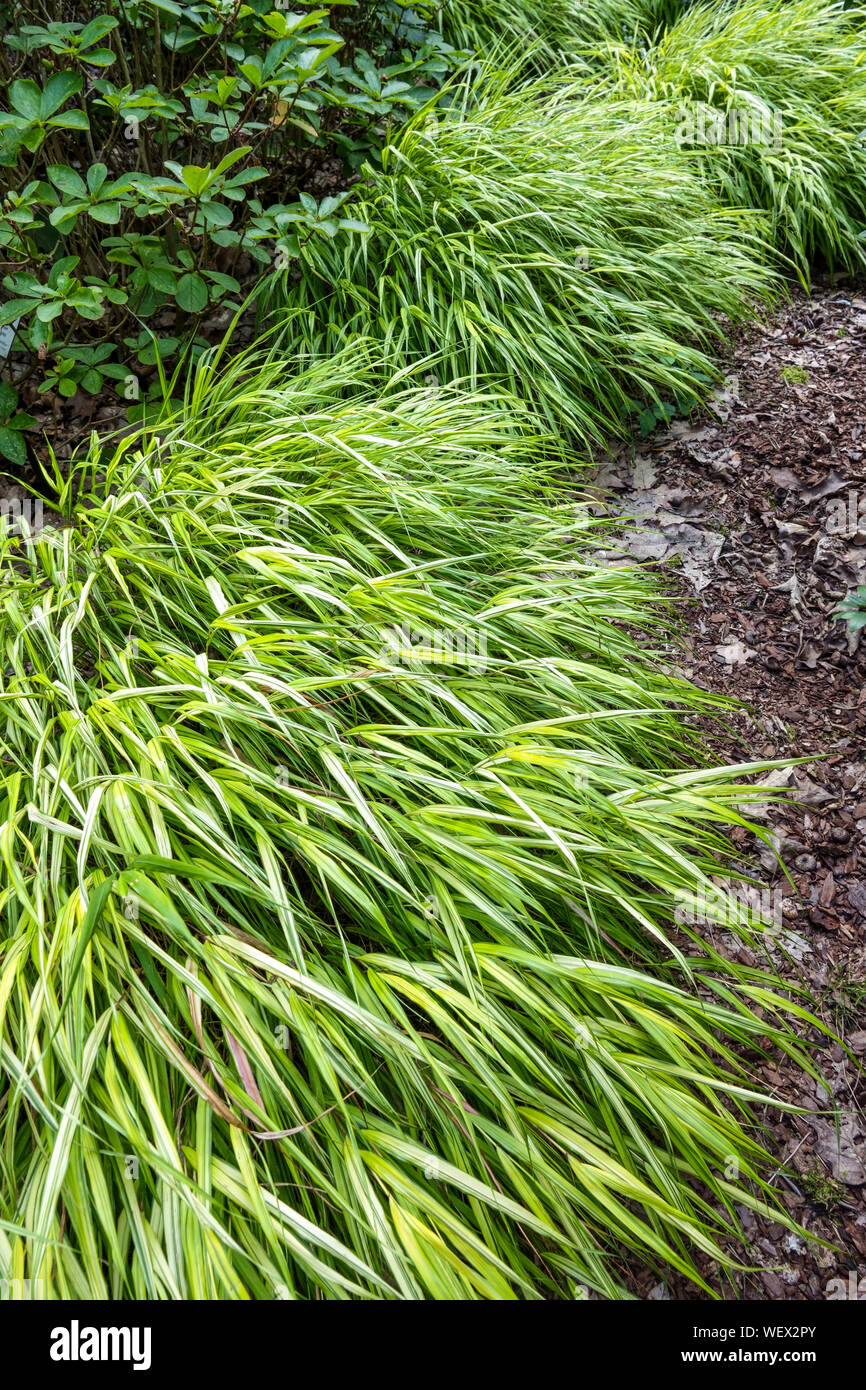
(831, 484)
(785, 478)
(845, 1152)
(734, 653)
(827, 892)
(857, 897)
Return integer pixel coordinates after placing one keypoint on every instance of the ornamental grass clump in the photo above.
(552, 28)
(770, 96)
(547, 238)
(341, 823)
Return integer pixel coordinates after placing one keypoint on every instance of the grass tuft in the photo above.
(332, 968)
(553, 28)
(542, 238)
(794, 74)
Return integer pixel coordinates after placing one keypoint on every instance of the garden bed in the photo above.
(391, 908)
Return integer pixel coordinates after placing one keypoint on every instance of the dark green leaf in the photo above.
(68, 181)
(12, 446)
(191, 293)
(58, 90)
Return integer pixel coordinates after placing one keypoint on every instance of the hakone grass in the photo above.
(799, 63)
(541, 237)
(330, 969)
(551, 28)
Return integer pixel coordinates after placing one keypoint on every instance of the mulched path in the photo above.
(758, 511)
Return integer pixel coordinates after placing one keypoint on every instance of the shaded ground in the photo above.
(761, 507)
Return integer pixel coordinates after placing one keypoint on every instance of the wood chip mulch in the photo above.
(758, 511)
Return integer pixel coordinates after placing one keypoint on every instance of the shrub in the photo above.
(542, 237)
(771, 96)
(335, 965)
(159, 154)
